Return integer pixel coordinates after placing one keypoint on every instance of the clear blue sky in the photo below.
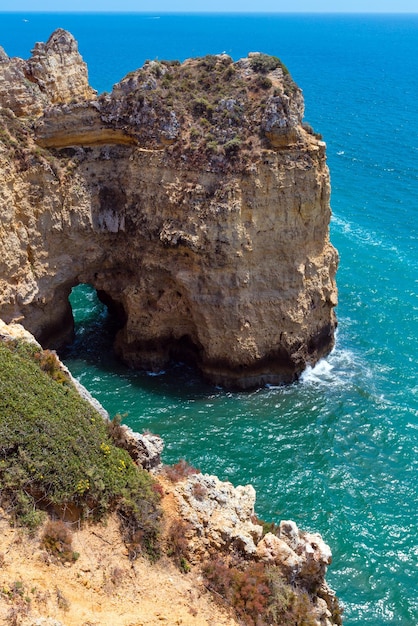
(243, 6)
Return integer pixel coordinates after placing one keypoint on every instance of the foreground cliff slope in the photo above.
(89, 535)
(192, 198)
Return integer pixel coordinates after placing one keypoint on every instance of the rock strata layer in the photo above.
(192, 198)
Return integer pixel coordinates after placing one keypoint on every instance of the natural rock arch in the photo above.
(201, 217)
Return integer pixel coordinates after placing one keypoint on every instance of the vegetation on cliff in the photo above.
(56, 453)
(260, 595)
(57, 456)
(207, 110)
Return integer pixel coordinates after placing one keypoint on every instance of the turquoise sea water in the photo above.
(338, 451)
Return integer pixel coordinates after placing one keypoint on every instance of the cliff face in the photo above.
(192, 198)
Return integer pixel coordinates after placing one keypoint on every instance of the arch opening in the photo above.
(96, 319)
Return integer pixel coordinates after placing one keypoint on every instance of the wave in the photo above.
(320, 373)
(154, 374)
(363, 235)
(341, 368)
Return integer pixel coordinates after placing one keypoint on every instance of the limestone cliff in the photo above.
(54, 73)
(193, 199)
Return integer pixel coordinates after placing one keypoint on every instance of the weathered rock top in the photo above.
(55, 73)
(209, 112)
(193, 198)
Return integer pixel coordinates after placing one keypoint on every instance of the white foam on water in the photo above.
(321, 372)
(341, 368)
(362, 235)
(160, 373)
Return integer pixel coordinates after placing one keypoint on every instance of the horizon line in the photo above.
(217, 12)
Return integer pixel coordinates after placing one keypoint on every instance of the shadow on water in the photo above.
(95, 330)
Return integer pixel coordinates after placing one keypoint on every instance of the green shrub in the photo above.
(166, 80)
(156, 69)
(201, 106)
(232, 146)
(55, 449)
(264, 82)
(209, 61)
(229, 71)
(264, 63)
(212, 147)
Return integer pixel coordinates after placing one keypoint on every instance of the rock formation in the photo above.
(192, 198)
(221, 519)
(221, 515)
(54, 73)
(144, 448)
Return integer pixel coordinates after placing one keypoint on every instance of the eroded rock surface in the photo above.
(222, 520)
(192, 198)
(144, 448)
(222, 515)
(54, 73)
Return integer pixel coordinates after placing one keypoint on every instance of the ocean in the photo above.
(338, 450)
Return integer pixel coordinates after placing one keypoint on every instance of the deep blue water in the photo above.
(338, 451)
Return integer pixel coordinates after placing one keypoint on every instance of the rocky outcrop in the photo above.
(303, 557)
(215, 521)
(54, 73)
(144, 448)
(221, 515)
(58, 69)
(192, 198)
(16, 332)
(221, 519)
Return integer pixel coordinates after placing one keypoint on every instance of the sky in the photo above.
(213, 6)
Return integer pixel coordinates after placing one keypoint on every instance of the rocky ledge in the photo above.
(221, 519)
(193, 198)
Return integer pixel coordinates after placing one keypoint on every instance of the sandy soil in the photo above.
(102, 588)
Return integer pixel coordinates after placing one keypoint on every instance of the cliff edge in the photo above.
(193, 198)
(89, 535)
